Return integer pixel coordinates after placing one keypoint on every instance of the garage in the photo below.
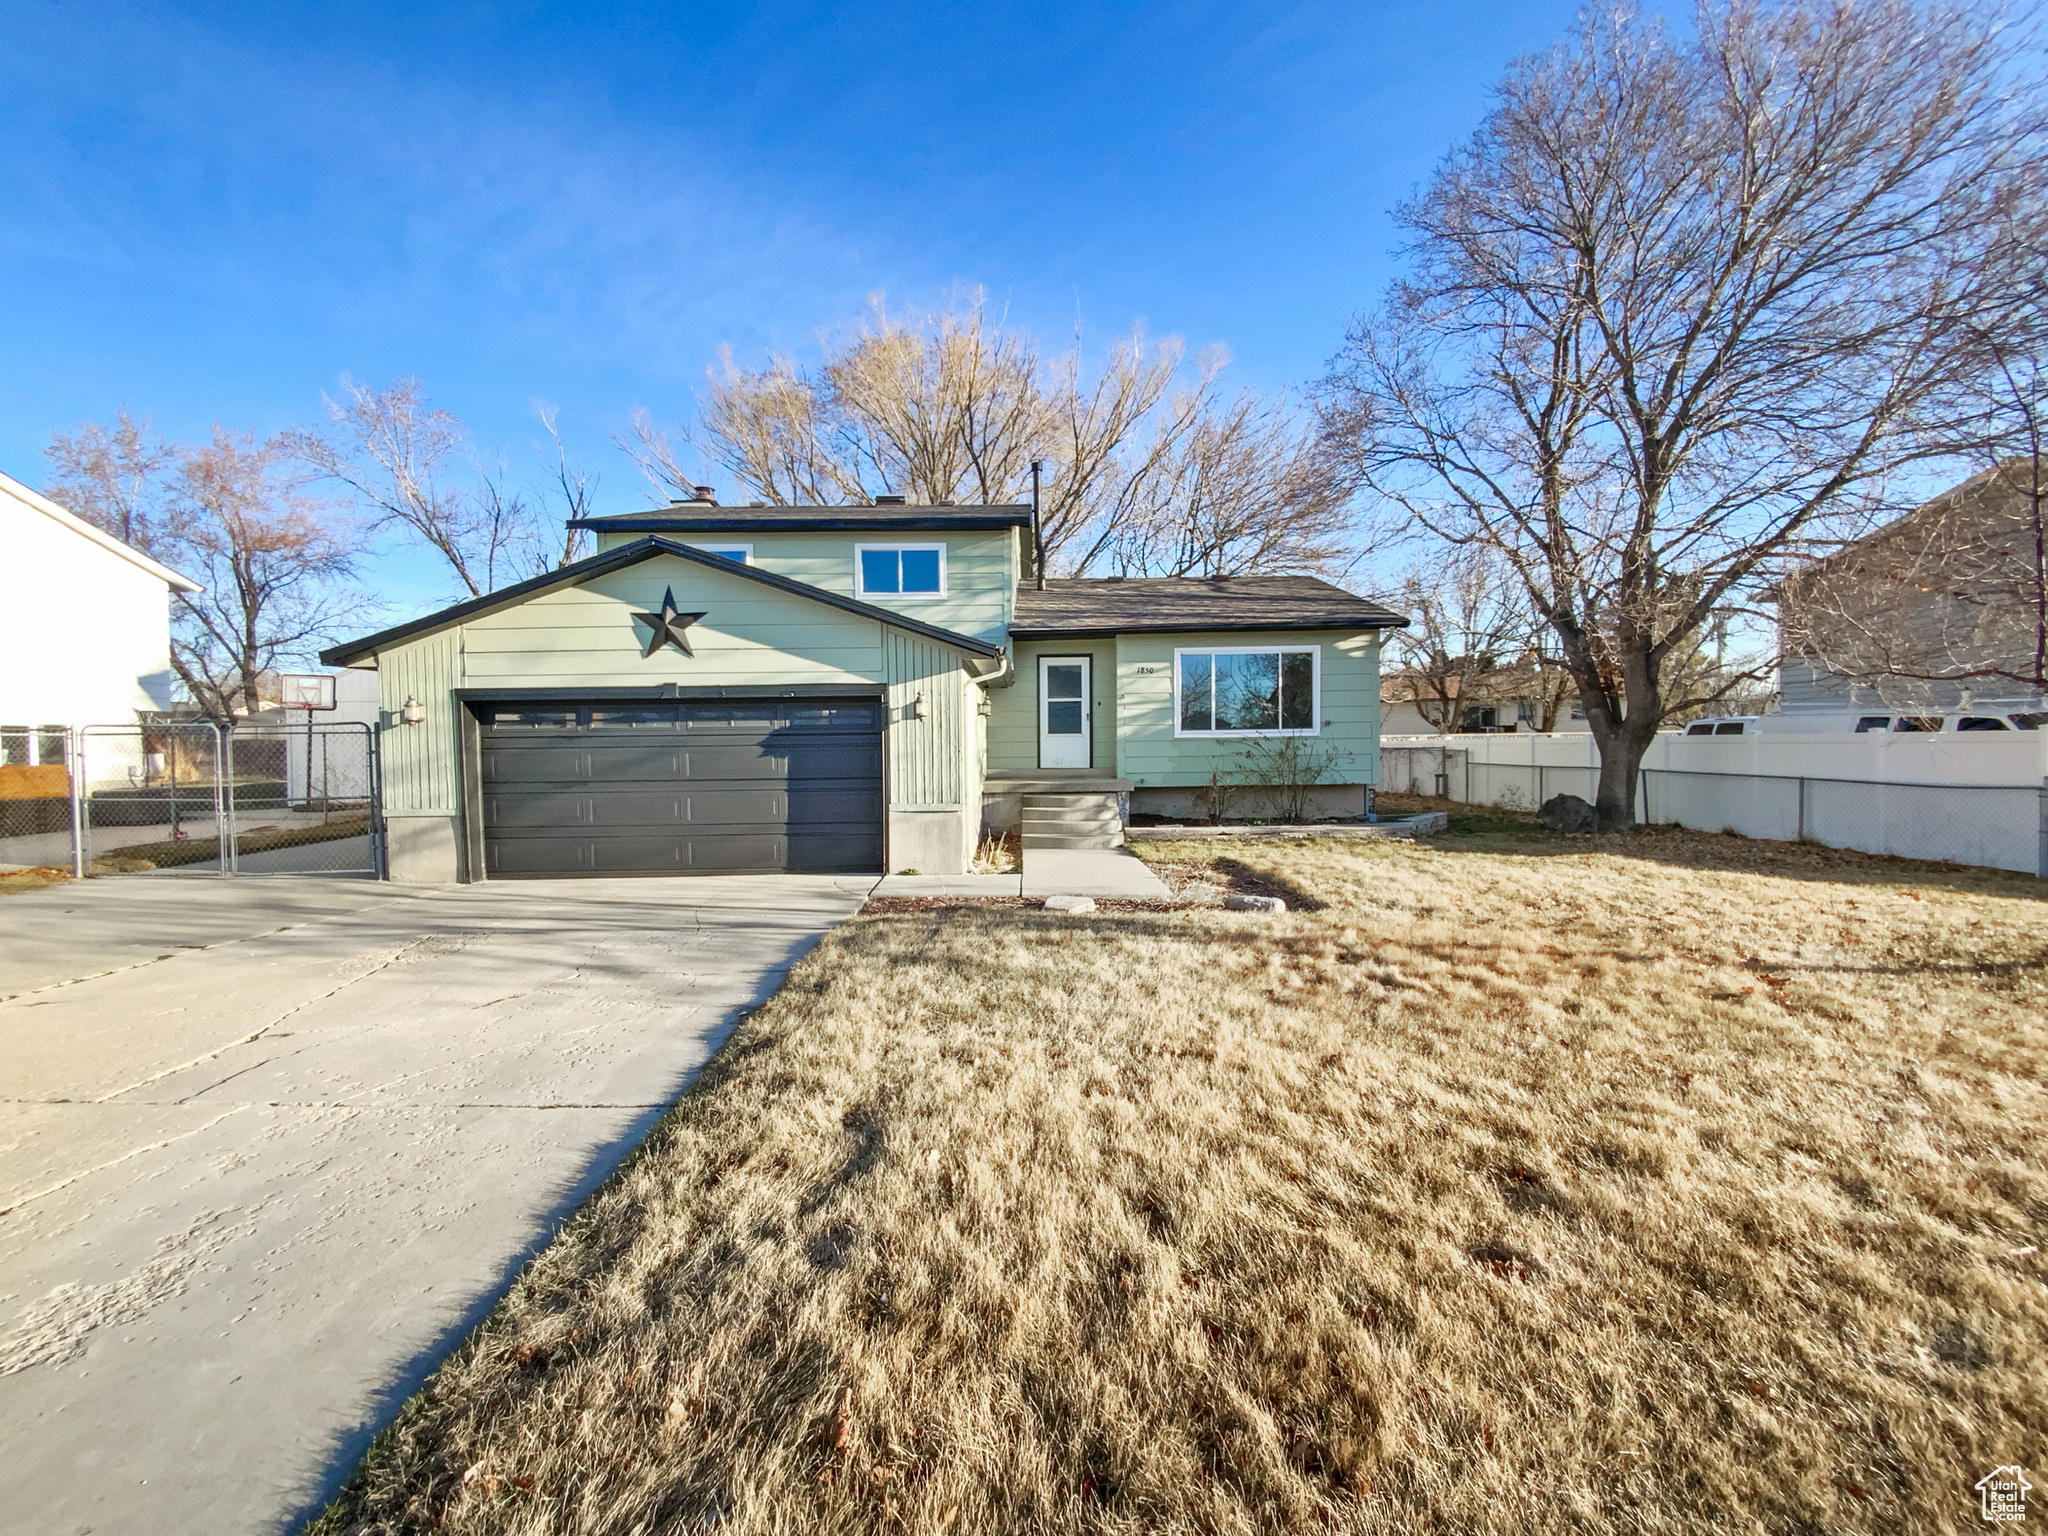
(679, 787)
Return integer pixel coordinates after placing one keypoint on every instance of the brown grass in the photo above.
(41, 877)
(1531, 1184)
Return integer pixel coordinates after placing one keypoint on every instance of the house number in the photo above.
(1144, 670)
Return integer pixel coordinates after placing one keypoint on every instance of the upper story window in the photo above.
(900, 570)
(1264, 691)
(743, 553)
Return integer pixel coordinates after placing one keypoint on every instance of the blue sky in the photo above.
(214, 211)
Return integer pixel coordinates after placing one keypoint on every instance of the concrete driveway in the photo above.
(269, 1148)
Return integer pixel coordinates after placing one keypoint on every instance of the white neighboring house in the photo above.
(85, 621)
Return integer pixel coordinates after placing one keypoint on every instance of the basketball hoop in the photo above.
(305, 690)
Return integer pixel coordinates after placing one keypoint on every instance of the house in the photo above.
(1511, 699)
(849, 688)
(1936, 613)
(85, 625)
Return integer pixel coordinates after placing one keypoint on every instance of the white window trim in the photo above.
(746, 551)
(1316, 711)
(860, 586)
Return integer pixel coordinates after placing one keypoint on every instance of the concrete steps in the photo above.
(1071, 821)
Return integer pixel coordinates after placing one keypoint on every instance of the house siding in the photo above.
(418, 761)
(1013, 717)
(981, 570)
(582, 637)
(86, 631)
(1148, 752)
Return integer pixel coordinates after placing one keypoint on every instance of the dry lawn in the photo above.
(1656, 1184)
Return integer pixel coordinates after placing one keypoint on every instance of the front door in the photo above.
(1065, 716)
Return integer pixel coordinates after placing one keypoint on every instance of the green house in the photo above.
(862, 688)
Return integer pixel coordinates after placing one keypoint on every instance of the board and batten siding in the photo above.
(1149, 754)
(1013, 711)
(418, 762)
(981, 570)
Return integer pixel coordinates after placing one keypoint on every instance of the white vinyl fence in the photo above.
(1970, 799)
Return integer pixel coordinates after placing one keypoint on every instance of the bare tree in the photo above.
(1473, 630)
(1148, 469)
(1680, 303)
(1245, 488)
(113, 477)
(575, 485)
(234, 515)
(406, 461)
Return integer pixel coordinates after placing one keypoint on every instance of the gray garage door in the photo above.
(692, 787)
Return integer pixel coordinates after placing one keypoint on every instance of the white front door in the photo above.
(1065, 716)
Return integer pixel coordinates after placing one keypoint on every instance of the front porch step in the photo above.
(1072, 816)
(1073, 839)
(1085, 820)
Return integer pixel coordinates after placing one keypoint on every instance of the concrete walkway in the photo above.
(1091, 872)
(268, 1149)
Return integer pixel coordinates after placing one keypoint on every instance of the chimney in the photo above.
(705, 494)
(888, 501)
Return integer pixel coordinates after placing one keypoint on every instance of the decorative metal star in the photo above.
(668, 625)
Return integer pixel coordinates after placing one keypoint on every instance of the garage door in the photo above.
(691, 787)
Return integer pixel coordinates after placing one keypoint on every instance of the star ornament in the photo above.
(668, 626)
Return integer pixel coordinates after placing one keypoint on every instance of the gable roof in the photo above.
(709, 517)
(357, 651)
(1113, 605)
(37, 502)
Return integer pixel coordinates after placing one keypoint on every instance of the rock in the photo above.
(1255, 904)
(1568, 813)
(1070, 903)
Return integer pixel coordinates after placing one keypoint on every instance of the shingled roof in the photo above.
(1113, 605)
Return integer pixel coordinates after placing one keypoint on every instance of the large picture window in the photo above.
(1270, 691)
(900, 570)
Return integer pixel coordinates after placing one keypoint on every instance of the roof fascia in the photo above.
(1105, 631)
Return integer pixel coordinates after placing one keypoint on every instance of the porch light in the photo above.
(917, 709)
(412, 712)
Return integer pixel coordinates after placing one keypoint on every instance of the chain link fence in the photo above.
(189, 798)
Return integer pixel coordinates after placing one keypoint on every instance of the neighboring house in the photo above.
(1510, 700)
(841, 688)
(85, 626)
(1938, 612)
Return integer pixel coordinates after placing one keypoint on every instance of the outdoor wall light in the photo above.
(917, 709)
(413, 711)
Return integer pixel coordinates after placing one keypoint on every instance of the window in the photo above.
(900, 570)
(2032, 721)
(1917, 723)
(1704, 728)
(1728, 728)
(1248, 692)
(743, 553)
(1981, 723)
(1873, 723)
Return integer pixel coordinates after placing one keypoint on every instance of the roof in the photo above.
(1115, 605)
(709, 517)
(358, 651)
(37, 502)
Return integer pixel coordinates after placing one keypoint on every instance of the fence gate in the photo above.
(256, 800)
